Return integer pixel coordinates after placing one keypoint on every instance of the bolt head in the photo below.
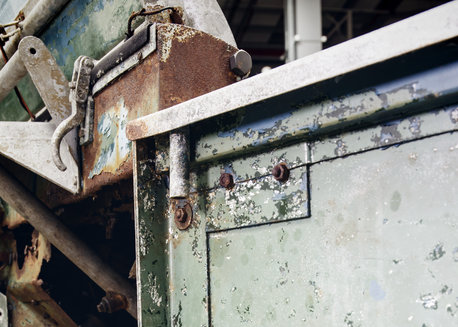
(226, 180)
(280, 172)
(240, 63)
(181, 215)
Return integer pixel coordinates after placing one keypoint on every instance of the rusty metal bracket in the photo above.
(79, 90)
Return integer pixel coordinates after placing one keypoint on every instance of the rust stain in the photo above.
(196, 63)
(136, 129)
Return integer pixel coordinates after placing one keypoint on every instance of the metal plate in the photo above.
(381, 239)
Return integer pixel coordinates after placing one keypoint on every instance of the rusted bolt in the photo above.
(183, 215)
(226, 180)
(240, 63)
(112, 302)
(280, 172)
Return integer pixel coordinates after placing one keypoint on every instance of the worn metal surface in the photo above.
(76, 30)
(419, 31)
(204, 15)
(29, 144)
(179, 164)
(279, 122)
(395, 254)
(41, 13)
(43, 219)
(78, 98)
(151, 239)
(11, 74)
(157, 82)
(127, 63)
(3, 311)
(444, 119)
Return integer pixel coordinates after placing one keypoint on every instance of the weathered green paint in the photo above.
(290, 117)
(378, 246)
(380, 136)
(152, 242)
(86, 27)
(379, 249)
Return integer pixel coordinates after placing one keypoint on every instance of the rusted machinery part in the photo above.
(203, 15)
(44, 220)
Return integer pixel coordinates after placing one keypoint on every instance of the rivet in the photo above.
(280, 172)
(226, 180)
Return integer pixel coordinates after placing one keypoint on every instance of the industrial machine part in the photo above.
(29, 143)
(322, 192)
(143, 74)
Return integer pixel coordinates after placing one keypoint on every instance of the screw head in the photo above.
(226, 180)
(240, 63)
(280, 172)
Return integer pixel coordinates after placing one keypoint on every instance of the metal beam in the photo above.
(428, 28)
(44, 220)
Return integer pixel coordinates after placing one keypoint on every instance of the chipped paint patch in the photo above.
(173, 32)
(115, 146)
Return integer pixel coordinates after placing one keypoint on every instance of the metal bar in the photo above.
(290, 31)
(431, 27)
(11, 74)
(179, 164)
(44, 220)
(40, 15)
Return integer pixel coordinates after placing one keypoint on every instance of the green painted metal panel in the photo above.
(380, 247)
(365, 233)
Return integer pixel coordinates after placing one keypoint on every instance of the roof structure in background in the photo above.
(258, 25)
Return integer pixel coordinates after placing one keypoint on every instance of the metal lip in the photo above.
(419, 31)
(129, 63)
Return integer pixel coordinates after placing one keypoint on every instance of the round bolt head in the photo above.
(280, 172)
(181, 215)
(226, 180)
(240, 63)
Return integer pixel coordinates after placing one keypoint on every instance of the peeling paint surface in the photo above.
(115, 147)
(379, 239)
(262, 125)
(387, 134)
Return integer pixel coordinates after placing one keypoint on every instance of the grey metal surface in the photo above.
(417, 32)
(50, 82)
(3, 311)
(29, 145)
(179, 163)
(78, 95)
(204, 15)
(41, 14)
(44, 220)
(11, 74)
